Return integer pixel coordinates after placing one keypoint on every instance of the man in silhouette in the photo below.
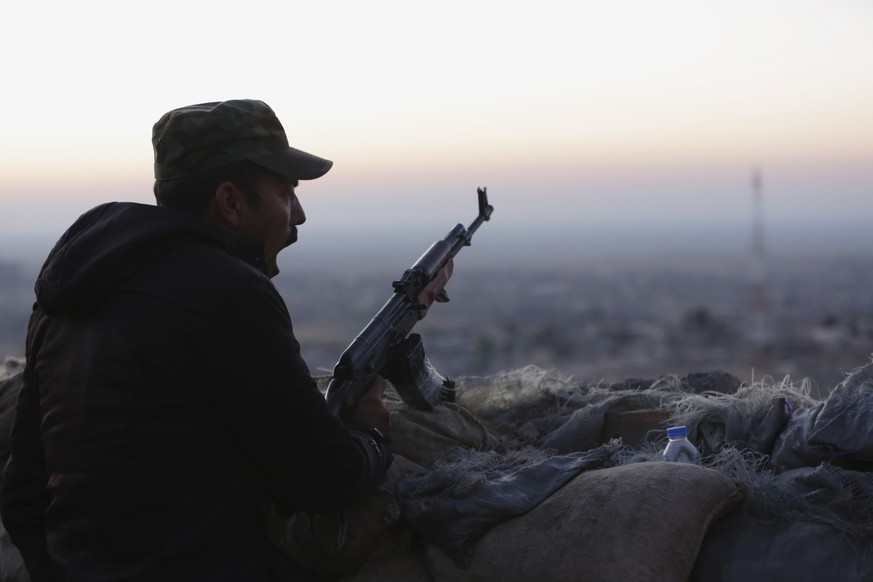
(165, 405)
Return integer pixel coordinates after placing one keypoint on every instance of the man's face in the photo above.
(274, 220)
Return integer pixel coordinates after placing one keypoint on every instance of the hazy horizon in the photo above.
(535, 246)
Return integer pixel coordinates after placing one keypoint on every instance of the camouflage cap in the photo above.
(208, 135)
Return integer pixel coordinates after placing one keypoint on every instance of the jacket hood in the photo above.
(112, 242)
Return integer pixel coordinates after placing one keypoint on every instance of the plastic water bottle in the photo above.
(680, 448)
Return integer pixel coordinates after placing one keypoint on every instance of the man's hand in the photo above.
(371, 409)
(434, 291)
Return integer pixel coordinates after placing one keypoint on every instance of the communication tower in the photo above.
(757, 296)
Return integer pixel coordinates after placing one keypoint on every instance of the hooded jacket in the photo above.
(164, 407)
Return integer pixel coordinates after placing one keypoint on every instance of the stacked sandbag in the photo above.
(521, 479)
(549, 431)
(741, 547)
(425, 437)
(457, 502)
(336, 544)
(633, 523)
(810, 495)
(806, 464)
(528, 407)
(532, 406)
(839, 430)
(370, 538)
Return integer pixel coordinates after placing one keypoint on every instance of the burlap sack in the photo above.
(336, 544)
(425, 437)
(370, 533)
(741, 548)
(640, 522)
(395, 567)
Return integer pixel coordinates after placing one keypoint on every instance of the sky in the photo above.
(630, 122)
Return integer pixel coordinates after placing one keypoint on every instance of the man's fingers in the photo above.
(434, 290)
(377, 388)
(371, 409)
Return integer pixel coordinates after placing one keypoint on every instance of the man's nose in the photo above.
(298, 216)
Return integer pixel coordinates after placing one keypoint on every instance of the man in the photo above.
(165, 405)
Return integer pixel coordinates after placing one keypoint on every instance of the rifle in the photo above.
(385, 346)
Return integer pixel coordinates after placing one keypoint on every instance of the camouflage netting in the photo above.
(531, 475)
(803, 464)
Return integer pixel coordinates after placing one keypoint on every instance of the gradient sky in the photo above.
(577, 115)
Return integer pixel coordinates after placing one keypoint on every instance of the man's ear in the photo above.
(228, 205)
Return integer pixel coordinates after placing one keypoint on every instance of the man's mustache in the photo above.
(292, 237)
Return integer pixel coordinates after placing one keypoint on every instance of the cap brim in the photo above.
(294, 163)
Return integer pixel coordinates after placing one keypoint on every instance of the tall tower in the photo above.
(757, 300)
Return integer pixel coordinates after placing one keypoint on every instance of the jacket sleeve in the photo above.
(308, 458)
(23, 497)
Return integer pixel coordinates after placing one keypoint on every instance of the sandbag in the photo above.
(336, 544)
(632, 523)
(792, 449)
(739, 548)
(584, 429)
(406, 566)
(845, 423)
(425, 437)
(822, 513)
(453, 505)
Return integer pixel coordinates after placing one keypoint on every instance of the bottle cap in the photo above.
(677, 432)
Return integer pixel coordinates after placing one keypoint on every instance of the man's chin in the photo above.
(272, 269)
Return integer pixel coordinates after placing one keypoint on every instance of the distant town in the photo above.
(606, 320)
(614, 320)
